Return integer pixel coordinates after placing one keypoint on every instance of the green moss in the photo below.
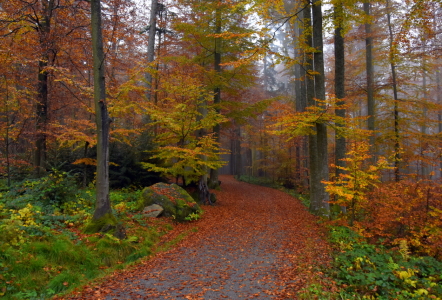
(175, 201)
(97, 225)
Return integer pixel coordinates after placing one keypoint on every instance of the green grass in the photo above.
(40, 269)
(48, 253)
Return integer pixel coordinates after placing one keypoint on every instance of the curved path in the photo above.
(256, 242)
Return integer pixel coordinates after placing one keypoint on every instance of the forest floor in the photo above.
(254, 243)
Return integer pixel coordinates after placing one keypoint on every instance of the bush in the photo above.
(53, 190)
(378, 273)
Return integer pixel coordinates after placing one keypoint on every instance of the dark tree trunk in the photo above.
(370, 78)
(439, 113)
(340, 141)
(214, 181)
(395, 98)
(312, 141)
(102, 205)
(322, 205)
(44, 29)
(425, 168)
(151, 44)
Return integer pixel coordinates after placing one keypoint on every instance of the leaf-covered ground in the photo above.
(256, 242)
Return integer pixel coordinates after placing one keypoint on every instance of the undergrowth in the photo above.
(43, 250)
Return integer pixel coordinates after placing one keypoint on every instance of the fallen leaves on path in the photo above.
(256, 243)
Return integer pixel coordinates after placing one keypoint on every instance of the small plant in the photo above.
(193, 216)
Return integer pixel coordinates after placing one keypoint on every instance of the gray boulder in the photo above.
(175, 201)
(153, 211)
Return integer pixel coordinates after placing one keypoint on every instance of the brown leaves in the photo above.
(255, 243)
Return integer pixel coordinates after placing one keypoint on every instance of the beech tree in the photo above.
(103, 211)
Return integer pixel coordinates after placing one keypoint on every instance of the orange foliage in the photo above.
(406, 210)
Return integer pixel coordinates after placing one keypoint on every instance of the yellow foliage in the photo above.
(25, 216)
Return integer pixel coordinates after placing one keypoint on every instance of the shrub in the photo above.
(378, 273)
(52, 190)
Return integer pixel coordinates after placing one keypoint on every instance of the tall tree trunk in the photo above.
(339, 87)
(321, 207)
(102, 205)
(202, 184)
(439, 113)
(425, 169)
(310, 88)
(44, 29)
(151, 44)
(316, 154)
(395, 98)
(8, 124)
(301, 148)
(340, 141)
(370, 78)
(214, 181)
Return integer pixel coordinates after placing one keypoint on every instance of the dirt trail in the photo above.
(256, 243)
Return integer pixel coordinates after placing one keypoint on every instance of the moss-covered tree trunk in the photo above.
(103, 213)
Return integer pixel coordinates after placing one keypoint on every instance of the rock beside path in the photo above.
(175, 201)
(153, 211)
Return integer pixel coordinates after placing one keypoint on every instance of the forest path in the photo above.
(256, 242)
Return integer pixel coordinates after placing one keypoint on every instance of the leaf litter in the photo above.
(255, 243)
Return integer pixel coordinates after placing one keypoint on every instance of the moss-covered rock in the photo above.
(175, 200)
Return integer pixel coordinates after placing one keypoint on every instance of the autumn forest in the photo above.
(337, 103)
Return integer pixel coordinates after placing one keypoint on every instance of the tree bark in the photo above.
(322, 206)
(370, 78)
(439, 113)
(310, 88)
(425, 168)
(102, 205)
(317, 144)
(395, 98)
(44, 29)
(339, 87)
(340, 141)
(8, 124)
(151, 44)
(214, 181)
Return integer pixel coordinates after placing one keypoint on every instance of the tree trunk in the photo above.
(203, 189)
(395, 98)
(7, 139)
(321, 207)
(439, 114)
(214, 181)
(103, 213)
(340, 141)
(370, 78)
(44, 29)
(151, 44)
(300, 97)
(310, 87)
(339, 87)
(425, 169)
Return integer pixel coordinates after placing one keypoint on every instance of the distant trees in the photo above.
(286, 106)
